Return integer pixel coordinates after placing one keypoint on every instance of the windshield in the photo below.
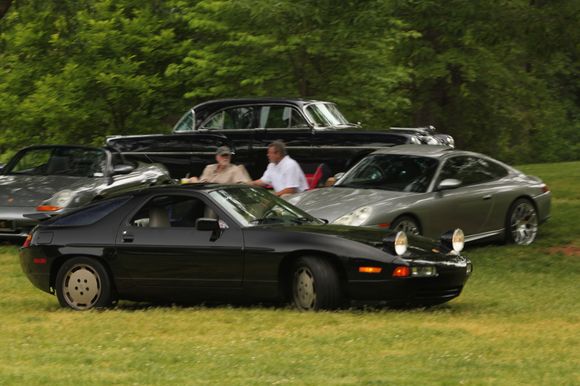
(400, 173)
(60, 161)
(254, 206)
(326, 114)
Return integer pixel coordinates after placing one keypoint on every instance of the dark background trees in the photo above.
(501, 76)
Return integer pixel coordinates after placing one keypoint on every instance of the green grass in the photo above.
(516, 323)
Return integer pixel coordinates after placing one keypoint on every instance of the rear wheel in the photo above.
(522, 222)
(83, 284)
(315, 284)
(406, 224)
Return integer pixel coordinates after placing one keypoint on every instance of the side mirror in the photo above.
(207, 224)
(123, 169)
(449, 183)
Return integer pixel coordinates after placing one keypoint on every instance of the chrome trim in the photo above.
(484, 235)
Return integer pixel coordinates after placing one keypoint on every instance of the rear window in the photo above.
(90, 214)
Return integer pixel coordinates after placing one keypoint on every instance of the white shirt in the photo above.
(285, 174)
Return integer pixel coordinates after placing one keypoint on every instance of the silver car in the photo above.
(429, 190)
(52, 179)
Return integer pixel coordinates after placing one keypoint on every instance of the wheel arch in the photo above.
(285, 269)
(59, 262)
(411, 215)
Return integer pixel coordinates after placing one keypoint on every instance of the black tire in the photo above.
(83, 284)
(521, 224)
(406, 224)
(315, 284)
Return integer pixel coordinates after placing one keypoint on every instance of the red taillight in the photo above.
(48, 208)
(27, 241)
(401, 271)
(370, 269)
(545, 189)
(39, 260)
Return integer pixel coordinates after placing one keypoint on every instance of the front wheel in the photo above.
(406, 224)
(315, 284)
(83, 284)
(522, 222)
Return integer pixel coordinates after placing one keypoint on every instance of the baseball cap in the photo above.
(223, 150)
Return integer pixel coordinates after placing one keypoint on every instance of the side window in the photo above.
(89, 214)
(185, 123)
(236, 118)
(280, 117)
(471, 170)
(172, 212)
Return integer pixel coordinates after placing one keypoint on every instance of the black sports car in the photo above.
(232, 242)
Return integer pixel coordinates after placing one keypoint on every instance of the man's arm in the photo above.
(286, 191)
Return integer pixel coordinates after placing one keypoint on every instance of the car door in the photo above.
(160, 248)
(468, 206)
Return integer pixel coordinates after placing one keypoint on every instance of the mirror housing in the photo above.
(123, 169)
(449, 183)
(207, 224)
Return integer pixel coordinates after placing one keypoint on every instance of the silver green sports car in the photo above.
(53, 179)
(428, 190)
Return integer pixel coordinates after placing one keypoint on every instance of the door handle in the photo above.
(128, 238)
(487, 197)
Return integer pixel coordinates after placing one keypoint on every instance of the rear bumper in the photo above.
(38, 274)
(544, 206)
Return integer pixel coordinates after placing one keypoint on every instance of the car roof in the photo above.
(221, 103)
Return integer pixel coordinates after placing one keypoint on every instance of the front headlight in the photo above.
(62, 198)
(356, 217)
(454, 239)
(401, 243)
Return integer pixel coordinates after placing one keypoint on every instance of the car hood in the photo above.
(32, 190)
(332, 203)
(421, 247)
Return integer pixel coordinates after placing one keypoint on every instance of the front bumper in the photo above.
(447, 285)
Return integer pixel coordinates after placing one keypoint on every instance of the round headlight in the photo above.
(458, 240)
(356, 217)
(62, 198)
(401, 243)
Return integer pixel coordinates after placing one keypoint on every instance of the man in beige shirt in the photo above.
(223, 172)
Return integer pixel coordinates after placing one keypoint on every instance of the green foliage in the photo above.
(501, 77)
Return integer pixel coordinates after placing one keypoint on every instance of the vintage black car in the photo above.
(315, 133)
(229, 243)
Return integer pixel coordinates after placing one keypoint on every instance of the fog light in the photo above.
(423, 271)
(468, 269)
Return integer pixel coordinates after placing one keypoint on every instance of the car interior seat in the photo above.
(158, 217)
(319, 177)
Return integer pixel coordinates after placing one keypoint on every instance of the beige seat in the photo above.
(158, 217)
(209, 213)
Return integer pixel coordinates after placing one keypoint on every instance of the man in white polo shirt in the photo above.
(283, 173)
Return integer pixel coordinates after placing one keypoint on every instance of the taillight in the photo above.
(27, 241)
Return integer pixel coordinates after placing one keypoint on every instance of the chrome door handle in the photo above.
(487, 197)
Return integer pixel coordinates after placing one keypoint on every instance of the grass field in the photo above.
(516, 323)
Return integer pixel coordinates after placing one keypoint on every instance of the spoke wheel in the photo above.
(522, 222)
(83, 284)
(407, 225)
(315, 284)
